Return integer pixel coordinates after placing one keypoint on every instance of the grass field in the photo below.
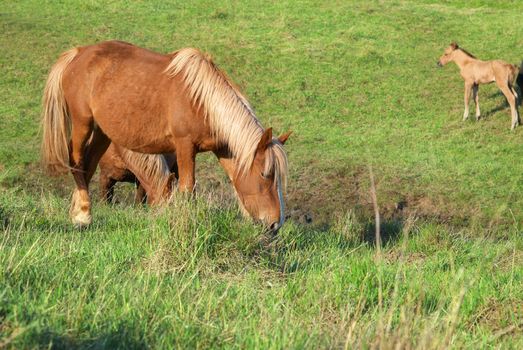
(357, 83)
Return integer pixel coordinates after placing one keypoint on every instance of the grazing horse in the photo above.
(475, 72)
(118, 165)
(154, 103)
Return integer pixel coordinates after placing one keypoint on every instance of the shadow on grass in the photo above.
(296, 251)
(123, 338)
(499, 108)
(4, 219)
(495, 110)
(390, 232)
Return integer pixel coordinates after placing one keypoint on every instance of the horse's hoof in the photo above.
(80, 210)
(81, 219)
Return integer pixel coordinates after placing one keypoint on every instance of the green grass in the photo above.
(193, 275)
(357, 83)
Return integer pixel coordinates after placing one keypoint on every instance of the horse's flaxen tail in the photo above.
(56, 122)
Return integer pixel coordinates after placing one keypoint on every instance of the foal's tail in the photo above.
(514, 72)
(516, 76)
(519, 75)
(56, 122)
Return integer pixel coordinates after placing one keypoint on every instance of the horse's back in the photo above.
(501, 64)
(124, 88)
(120, 52)
(114, 62)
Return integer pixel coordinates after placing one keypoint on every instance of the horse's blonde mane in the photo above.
(466, 52)
(154, 167)
(229, 114)
(276, 162)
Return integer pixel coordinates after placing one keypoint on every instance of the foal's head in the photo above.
(448, 55)
(260, 188)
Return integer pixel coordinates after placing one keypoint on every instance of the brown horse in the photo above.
(114, 167)
(475, 72)
(155, 103)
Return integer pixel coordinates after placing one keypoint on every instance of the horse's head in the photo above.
(448, 55)
(260, 188)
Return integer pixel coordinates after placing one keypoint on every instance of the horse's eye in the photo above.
(265, 176)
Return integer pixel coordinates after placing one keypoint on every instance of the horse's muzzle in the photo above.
(439, 64)
(274, 228)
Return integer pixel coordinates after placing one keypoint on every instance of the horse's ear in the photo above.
(283, 138)
(265, 140)
(454, 45)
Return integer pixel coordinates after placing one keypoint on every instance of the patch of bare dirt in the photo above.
(318, 198)
(503, 318)
(394, 256)
(509, 259)
(316, 194)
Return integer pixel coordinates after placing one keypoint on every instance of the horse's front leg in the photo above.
(468, 88)
(185, 158)
(476, 100)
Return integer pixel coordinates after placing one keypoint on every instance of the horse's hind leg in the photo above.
(476, 100)
(84, 159)
(94, 152)
(511, 98)
(80, 210)
(515, 93)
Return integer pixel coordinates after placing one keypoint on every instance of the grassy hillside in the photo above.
(357, 83)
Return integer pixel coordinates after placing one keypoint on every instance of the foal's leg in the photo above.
(476, 100)
(106, 188)
(468, 87)
(515, 94)
(512, 102)
(140, 194)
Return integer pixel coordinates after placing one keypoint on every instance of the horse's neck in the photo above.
(227, 162)
(461, 59)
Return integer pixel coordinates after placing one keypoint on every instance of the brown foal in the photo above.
(113, 169)
(475, 72)
(151, 103)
